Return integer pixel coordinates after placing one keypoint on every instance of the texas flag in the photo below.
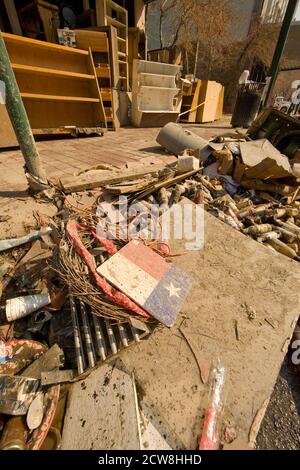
(158, 287)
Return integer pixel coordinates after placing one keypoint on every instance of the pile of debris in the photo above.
(93, 281)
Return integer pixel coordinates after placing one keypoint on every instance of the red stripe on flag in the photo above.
(146, 259)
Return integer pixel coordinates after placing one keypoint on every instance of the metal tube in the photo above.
(111, 337)
(87, 335)
(123, 335)
(100, 338)
(77, 337)
(19, 119)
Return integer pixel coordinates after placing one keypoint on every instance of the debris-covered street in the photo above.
(149, 241)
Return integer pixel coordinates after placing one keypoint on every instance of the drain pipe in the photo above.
(34, 171)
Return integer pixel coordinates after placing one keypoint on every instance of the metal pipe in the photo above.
(100, 338)
(17, 113)
(77, 337)
(87, 335)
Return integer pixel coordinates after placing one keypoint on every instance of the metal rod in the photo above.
(17, 113)
(87, 335)
(100, 338)
(111, 337)
(123, 335)
(135, 334)
(77, 337)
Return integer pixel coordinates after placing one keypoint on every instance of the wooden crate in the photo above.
(58, 84)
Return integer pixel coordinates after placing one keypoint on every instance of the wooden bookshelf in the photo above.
(58, 84)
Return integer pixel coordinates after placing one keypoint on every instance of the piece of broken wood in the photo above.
(99, 178)
(49, 361)
(54, 377)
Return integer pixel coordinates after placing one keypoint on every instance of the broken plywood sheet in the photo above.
(231, 273)
(102, 412)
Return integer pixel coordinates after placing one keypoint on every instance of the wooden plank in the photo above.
(30, 69)
(106, 94)
(114, 22)
(55, 114)
(12, 38)
(219, 112)
(13, 17)
(99, 111)
(99, 178)
(95, 40)
(36, 96)
(103, 72)
(100, 12)
(103, 414)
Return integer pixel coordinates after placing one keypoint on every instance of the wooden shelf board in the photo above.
(106, 94)
(115, 6)
(114, 22)
(12, 38)
(50, 72)
(40, 97)
(103, 73)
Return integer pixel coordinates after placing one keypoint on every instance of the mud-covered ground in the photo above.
(280, 428)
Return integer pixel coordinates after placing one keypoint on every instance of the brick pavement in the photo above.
(72, 155)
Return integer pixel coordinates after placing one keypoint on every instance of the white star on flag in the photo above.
(173, 291)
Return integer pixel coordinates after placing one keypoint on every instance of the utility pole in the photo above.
(15, 107)
(285, 28)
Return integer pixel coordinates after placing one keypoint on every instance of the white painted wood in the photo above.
(101, 412)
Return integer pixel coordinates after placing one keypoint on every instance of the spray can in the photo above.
(22, 306)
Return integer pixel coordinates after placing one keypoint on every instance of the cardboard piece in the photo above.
(263, 161)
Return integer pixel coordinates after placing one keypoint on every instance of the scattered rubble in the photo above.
(92, 283)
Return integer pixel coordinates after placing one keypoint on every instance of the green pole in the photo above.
(274, 69)
(19, 120)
